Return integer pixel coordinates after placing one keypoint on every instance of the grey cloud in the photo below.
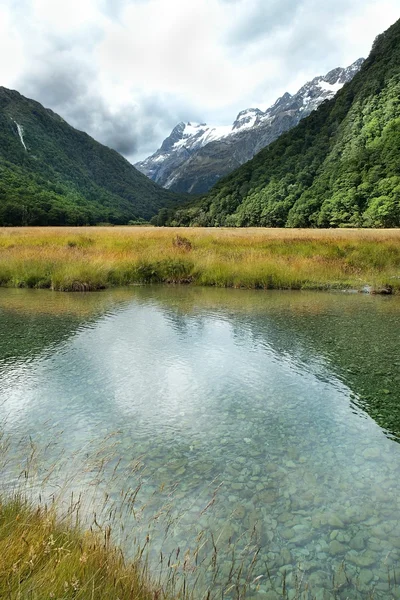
(307, 24)
(113, 8)
(292, 31)
(68, 87)
(63, 70)
(262, 19)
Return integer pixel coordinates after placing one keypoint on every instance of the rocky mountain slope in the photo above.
(193, 157)
(50, 173)
(340, 166)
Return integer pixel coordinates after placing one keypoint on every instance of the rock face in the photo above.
(194, 156)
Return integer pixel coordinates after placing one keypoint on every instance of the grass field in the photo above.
(88, 258)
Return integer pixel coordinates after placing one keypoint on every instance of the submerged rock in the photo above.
(371, 453)
(336, 547)
(357, 542)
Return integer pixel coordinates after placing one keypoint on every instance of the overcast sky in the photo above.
(127, 71)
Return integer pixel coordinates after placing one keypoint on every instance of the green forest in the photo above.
(64, 177)
(338, 167)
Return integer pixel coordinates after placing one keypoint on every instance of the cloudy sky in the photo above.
(127, 71)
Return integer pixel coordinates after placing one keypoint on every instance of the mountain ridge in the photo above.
(194, 157)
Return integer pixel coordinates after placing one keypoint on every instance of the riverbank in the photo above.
(43, 558)
(88, 258)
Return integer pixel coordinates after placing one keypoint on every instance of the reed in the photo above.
(84, 258)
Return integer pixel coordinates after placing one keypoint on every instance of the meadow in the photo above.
(88, 258)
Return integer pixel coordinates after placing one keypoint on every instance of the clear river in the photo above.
(253, 436)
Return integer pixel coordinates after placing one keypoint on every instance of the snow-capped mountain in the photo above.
(185, 139)
(194, 156)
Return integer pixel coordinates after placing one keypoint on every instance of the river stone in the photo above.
(371, 453)
(378, 532)
(286, 556)
(237, 486)
(365, 576)
(343, 537)
(286, 570)
(310, 479)
(332, 520)
(254, 517)
(270, 467)
(394, 541)
(239, 511)
(318, 580)
(268, 534)
(268, 496)
(284, 517)
(288, 534)
(357, 542)
(375, 546)
(302, 538)
(362, 560)
(340, 578)
(226, 534)
(336, 547)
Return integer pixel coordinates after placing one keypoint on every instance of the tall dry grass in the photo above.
(80, 259)
(43, 558)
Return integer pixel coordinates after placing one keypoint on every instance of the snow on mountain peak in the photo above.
(330, 87)
(247, 118)
(196, 135)
(186, 139)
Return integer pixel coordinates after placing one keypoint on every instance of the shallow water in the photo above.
(244, 411)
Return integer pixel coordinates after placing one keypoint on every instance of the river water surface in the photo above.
(264, 421)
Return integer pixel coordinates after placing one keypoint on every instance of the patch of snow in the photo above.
(158, 158)
(193, 128)
(330, 87)
(21, 134)
(248, 123)
(247, 119)
(216, 133)
(196, 136)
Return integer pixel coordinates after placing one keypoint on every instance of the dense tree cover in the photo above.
(338, 167)
(64, 177)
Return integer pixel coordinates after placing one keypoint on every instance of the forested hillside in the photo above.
(338, 167)
(52, 174)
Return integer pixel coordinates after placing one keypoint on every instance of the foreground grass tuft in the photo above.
(84, 259)
(43, 558)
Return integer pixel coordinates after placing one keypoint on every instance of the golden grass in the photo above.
(88, 258)
(41, 558)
